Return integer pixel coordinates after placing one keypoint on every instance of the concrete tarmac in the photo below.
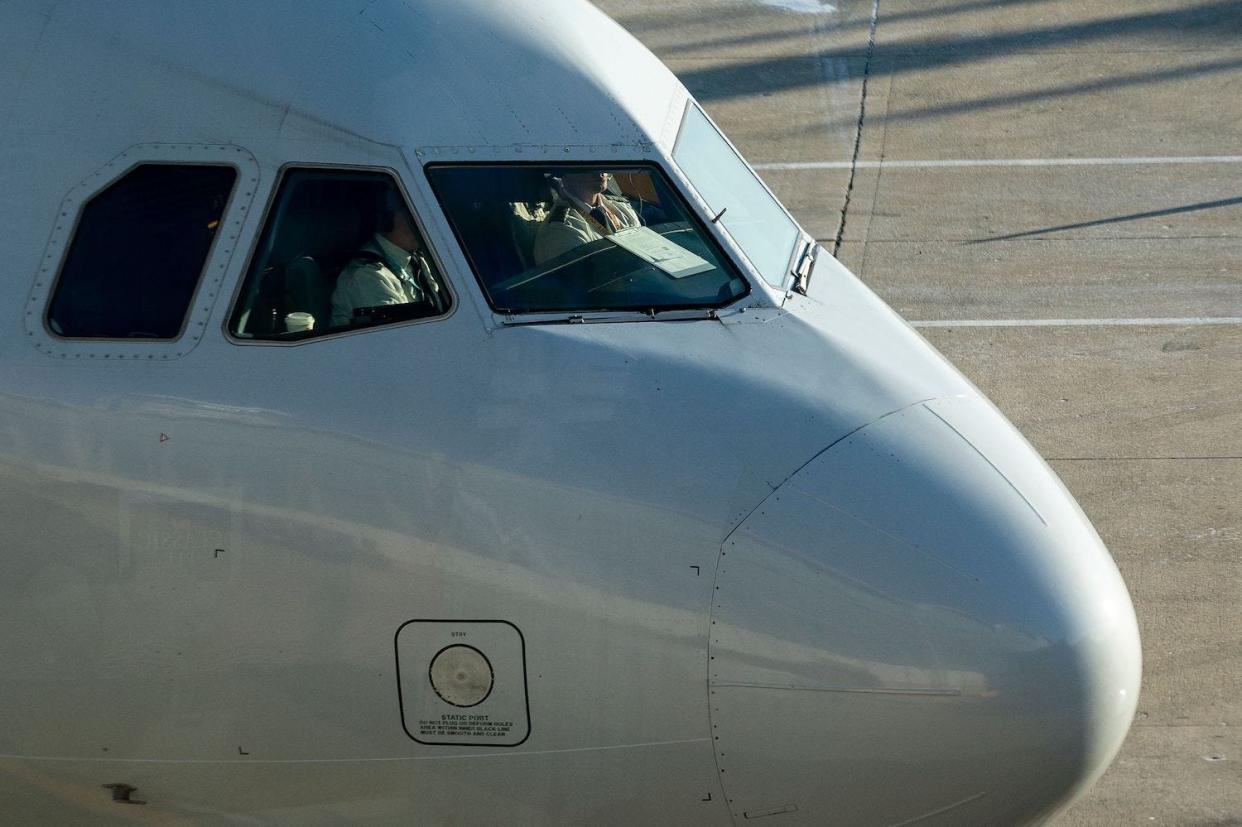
(1052, 191)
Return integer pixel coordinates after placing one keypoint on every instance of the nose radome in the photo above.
(919, 626)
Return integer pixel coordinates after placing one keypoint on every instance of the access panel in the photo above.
(463, 682)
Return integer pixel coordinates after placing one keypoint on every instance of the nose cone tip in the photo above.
(924, 607)
(1063, 708)
(1083, 681)
(1067, 659)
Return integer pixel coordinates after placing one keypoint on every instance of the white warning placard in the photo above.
(457, 725)
(463, 682)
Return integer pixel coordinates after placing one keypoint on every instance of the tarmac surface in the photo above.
(1052, 191)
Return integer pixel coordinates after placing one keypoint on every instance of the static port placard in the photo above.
(463, 682)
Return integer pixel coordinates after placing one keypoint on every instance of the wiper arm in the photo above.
(802, 270)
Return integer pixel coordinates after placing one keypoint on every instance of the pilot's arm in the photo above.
(560, 233)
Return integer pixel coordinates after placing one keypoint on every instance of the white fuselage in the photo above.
(783, 560)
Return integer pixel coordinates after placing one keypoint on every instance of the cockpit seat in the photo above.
(524, 225)
(308, 290)
(314, 247)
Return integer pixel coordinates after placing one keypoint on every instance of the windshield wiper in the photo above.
(802, 270)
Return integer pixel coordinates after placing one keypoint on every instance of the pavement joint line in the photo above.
(932, 163)
(858, 131)
(1192, 321)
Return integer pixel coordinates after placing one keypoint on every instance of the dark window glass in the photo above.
(138, 252)
(340, 251)
(583, 238)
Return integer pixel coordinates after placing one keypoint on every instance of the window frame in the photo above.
(272, 211)
(540, 316)
(210, 282)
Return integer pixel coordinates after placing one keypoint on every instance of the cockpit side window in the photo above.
(582, 238)
(138, 253)
(340, 251)
(743, 205)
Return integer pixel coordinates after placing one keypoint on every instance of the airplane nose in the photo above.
(920, 626)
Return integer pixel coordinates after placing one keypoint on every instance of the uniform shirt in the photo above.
(368, 283)
(568, 228)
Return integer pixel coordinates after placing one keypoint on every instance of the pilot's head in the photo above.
(585, 185)
(397, 225)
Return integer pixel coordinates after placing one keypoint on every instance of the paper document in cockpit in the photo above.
(658, 251)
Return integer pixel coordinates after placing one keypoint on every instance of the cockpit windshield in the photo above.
(583, 238)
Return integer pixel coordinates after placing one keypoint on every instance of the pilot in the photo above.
(584, 211)
(390, 269)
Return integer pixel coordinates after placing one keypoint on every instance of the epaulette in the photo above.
(368, 257)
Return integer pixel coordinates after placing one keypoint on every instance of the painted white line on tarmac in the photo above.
(803, 6)
(1193, 321)
(1005, 162)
